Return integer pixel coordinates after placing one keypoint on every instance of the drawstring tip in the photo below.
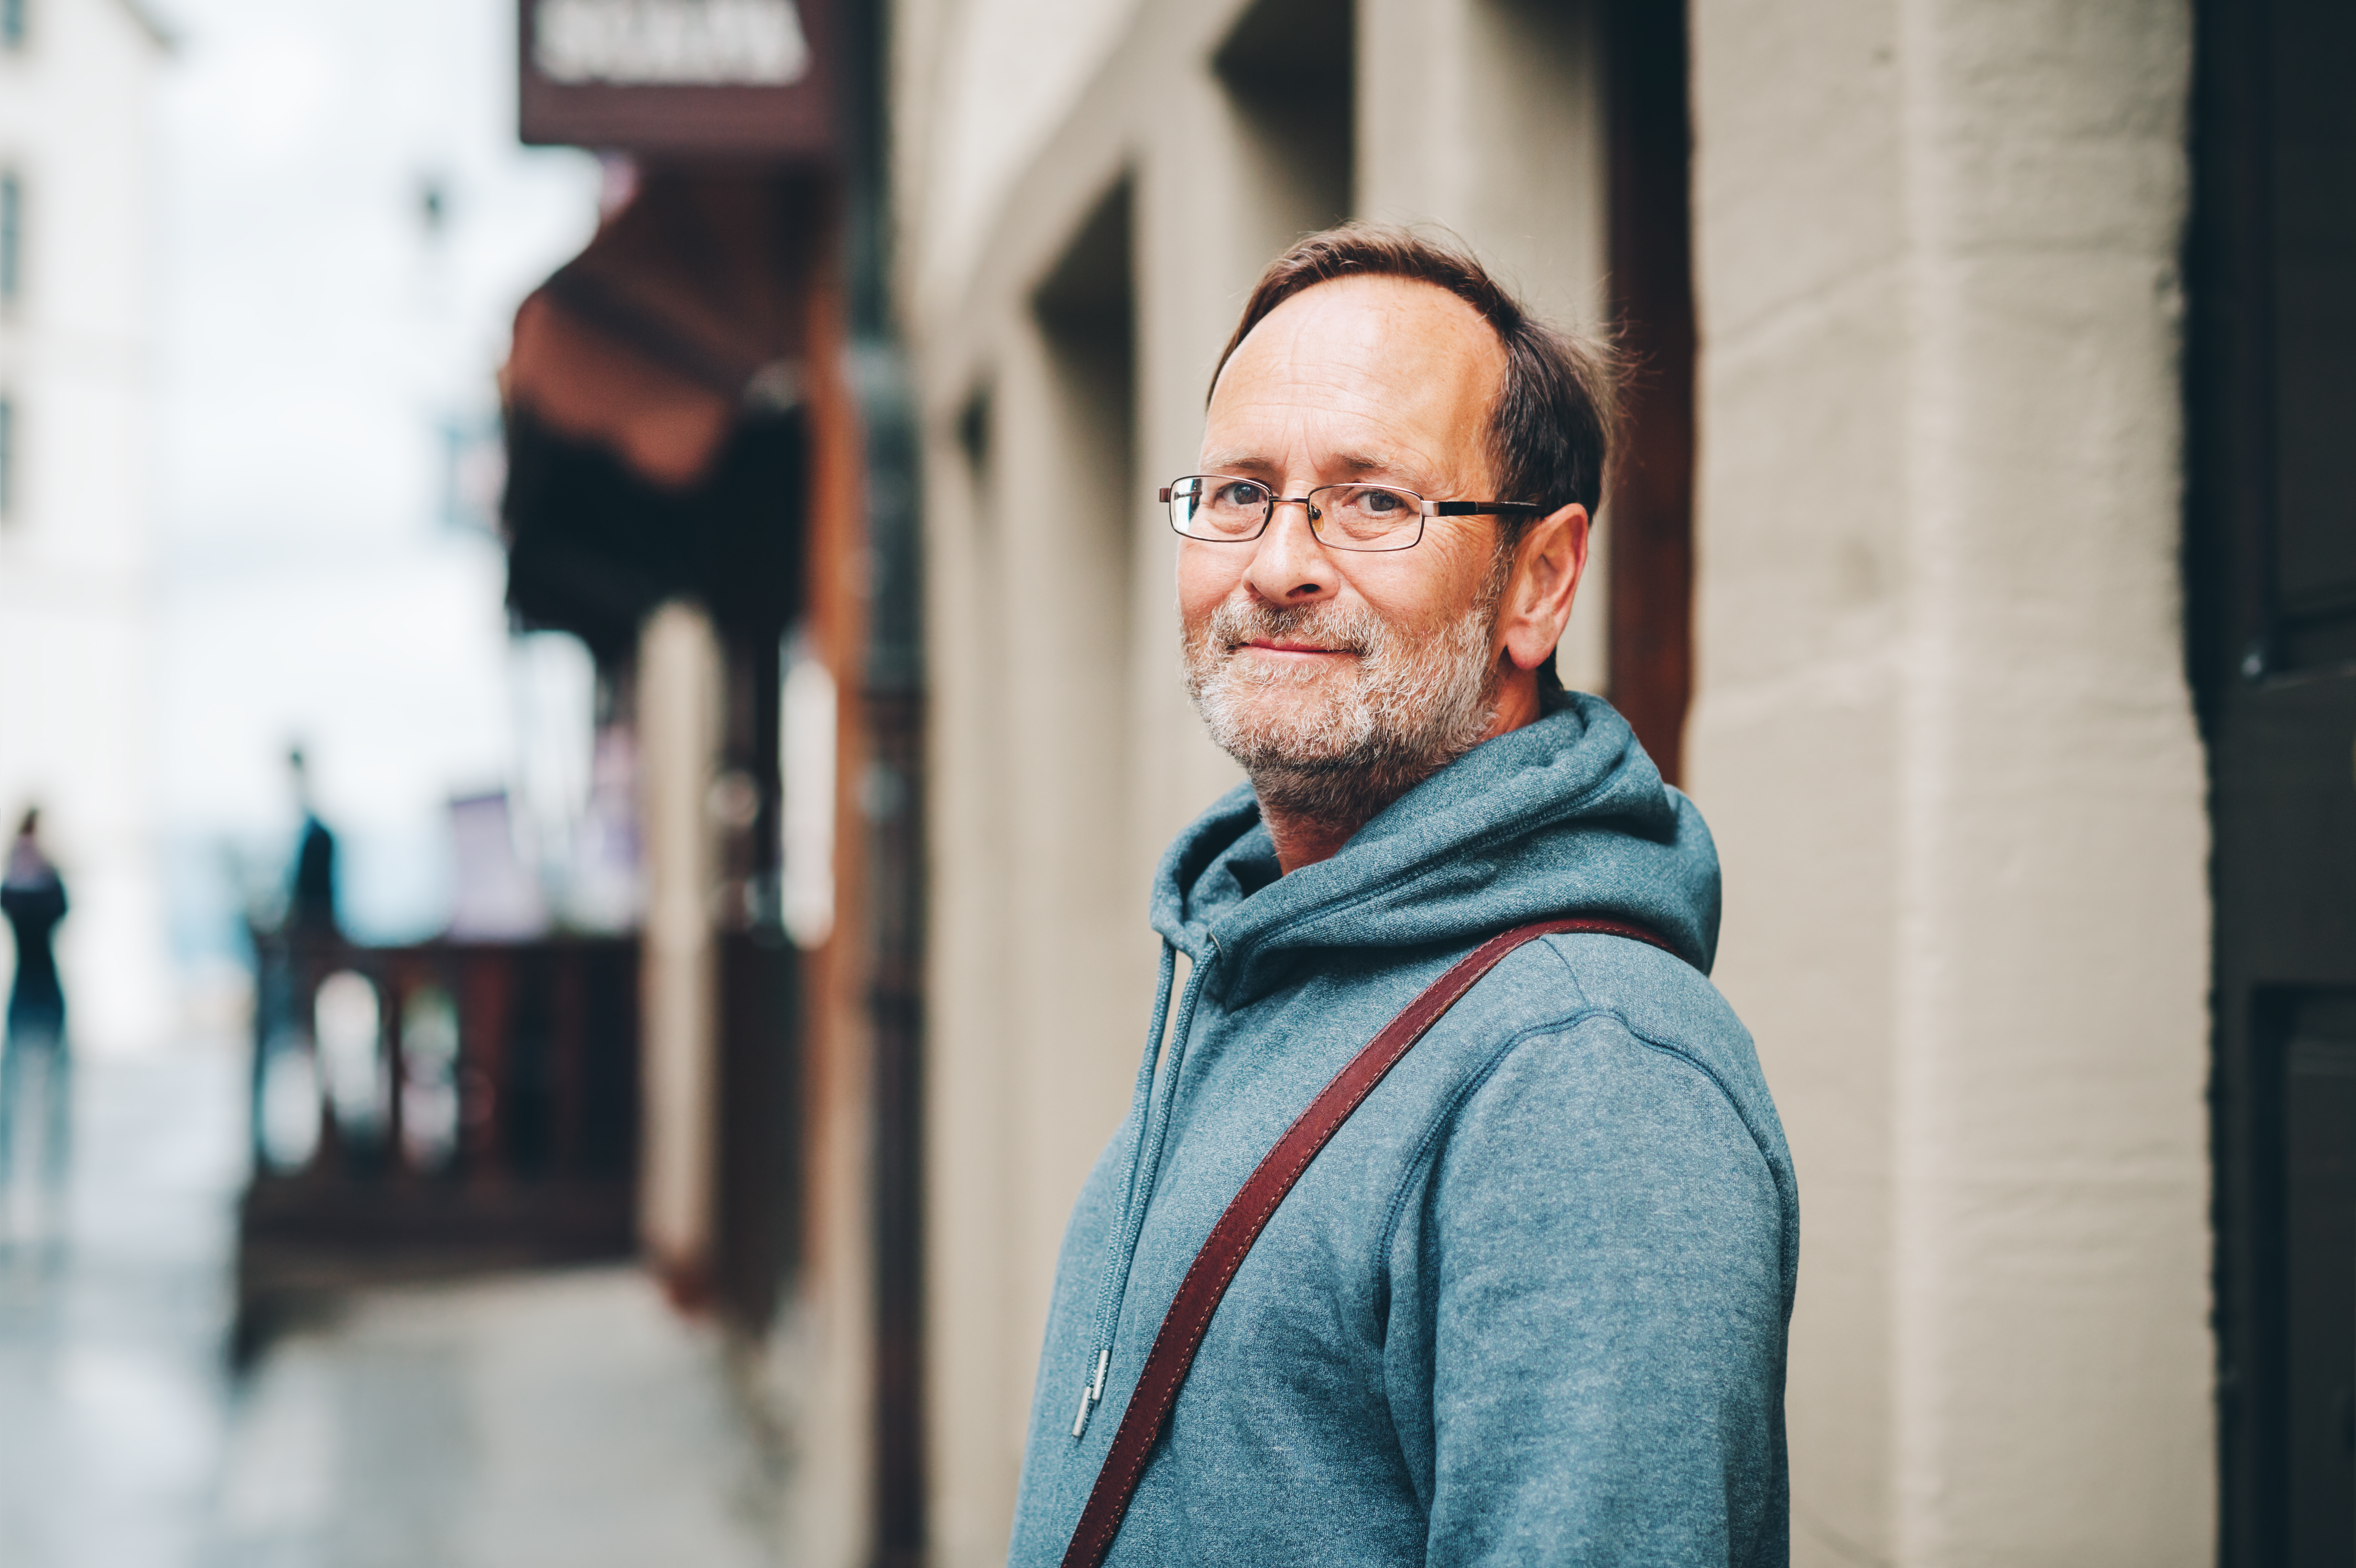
(1092, 1392)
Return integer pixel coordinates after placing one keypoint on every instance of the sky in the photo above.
(321, 336)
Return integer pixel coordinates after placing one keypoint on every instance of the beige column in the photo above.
(1045, 979)
(678, 710)
(1485, 117)
(1944, 741)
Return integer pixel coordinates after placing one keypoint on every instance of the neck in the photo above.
(1305, 835)
(1311, 815)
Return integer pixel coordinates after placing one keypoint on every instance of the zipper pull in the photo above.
(1092, 1392)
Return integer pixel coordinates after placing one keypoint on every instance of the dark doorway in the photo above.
(2271, 571)
(1087, 308)
(1649, 505)
(1290, 67)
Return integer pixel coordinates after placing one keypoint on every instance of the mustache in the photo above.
(1237, 621)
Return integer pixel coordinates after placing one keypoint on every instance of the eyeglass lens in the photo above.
(1347, 516)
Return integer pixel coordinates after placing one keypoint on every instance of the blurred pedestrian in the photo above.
(32, 897)
(311, 895)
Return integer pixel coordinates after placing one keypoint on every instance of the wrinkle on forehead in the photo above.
(1390, 371)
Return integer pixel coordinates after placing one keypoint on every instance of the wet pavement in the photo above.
(563, 1418)
(113, 1397)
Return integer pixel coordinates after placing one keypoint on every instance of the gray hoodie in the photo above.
(1529, 1304)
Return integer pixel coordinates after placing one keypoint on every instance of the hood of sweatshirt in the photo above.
(1566, 816)
(1563, 816)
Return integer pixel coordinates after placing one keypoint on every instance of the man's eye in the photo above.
(1240, 494)
(1371, 503)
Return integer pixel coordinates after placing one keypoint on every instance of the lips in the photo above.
(1287, 645)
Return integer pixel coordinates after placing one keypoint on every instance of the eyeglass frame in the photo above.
(1425, 506)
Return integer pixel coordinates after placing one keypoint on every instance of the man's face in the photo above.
(1309, 660)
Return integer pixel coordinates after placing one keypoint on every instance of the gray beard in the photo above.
(1413, 704)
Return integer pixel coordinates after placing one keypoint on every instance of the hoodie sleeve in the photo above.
(1587, 1362)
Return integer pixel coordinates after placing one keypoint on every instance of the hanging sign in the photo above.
(689, 76)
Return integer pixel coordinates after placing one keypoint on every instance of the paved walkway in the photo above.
(564, 1418)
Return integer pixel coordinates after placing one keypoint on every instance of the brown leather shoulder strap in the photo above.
(1172, 1356)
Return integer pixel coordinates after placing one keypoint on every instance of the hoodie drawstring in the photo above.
(1152, 1120)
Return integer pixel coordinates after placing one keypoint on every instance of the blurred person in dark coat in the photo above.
(32, 897)
(311, 897)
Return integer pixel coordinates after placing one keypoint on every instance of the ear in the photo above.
(1547, 565)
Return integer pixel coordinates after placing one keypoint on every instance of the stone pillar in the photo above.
(1487, 118)
(679, 727)
(1944, 736)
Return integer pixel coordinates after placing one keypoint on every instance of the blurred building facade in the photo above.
(710, 484)
(77, 168)
(1895, 581)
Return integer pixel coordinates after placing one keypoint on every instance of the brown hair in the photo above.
(1550, 429)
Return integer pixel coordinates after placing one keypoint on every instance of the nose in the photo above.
(1288, 566)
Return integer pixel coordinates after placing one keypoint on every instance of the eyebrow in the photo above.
(1249, 466)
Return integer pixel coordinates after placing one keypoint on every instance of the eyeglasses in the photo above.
(1219, 508)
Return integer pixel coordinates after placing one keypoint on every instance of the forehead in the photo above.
(1390, 364)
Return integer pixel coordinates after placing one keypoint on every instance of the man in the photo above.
(1528, 1304)
(33, 900)
(311, 886)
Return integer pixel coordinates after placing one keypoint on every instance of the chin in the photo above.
(1298, 727)
(1294, 730)
(1319, 700)
(1266, 712)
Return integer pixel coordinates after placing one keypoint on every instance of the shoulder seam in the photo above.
(1443, 1125)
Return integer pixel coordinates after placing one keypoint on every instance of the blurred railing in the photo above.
(444, 1108)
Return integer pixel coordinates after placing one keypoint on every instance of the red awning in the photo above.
(656, 440)
(689, 307)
